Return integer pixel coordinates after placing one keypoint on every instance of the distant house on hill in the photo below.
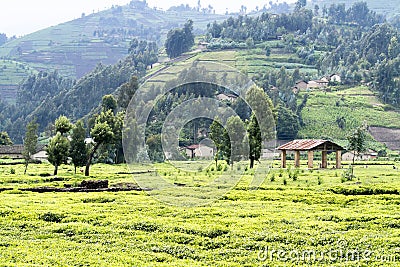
(335, 78)
(316, 84)
(299, 86)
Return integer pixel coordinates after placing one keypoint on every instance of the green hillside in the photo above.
(74, 48)
(335, 114)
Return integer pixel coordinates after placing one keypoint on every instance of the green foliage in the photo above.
(63, 125)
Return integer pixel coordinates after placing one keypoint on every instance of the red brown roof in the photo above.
(310, 144)
(193, 147)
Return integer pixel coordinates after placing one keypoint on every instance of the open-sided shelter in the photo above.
(311, 145)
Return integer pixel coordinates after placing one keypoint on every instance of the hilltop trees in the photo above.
(180, 40)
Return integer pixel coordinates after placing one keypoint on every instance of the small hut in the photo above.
(311, 145)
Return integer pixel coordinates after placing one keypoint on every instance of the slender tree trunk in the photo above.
(75, 169)
(55, 169)
(251, 162)
(87, 169)
(216, 159)
(26, 167)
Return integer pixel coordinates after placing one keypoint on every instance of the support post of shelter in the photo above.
(310, 159)
(283, 159)
(297, 158)
(338, 159)
(324, 159)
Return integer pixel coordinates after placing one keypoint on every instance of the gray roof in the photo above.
(14, 149)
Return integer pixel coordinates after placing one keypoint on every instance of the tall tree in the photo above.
(255, 141)
(58, 151)
(102, 134)
(180, 40)
(217, 134)
(126, 92)
(78, 150)
(237, 133)
(5, 139)
(109, 103)
(30, 142)
(357, 140)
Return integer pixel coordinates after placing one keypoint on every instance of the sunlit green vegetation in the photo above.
(315, 210)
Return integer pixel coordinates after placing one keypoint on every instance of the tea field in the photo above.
(295, 218)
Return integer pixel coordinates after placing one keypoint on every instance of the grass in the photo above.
(132, 228)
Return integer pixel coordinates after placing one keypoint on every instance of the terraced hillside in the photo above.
(76, 47)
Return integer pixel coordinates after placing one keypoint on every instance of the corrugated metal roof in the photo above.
(305, 144)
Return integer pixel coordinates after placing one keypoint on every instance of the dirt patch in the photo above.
(390, 137)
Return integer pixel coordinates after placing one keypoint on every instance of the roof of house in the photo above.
(310, 144)
(193, 147)
(18, 149)
(13, 149)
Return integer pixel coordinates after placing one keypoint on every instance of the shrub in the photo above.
(12, 171)
(51, 217)
(272, 178)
